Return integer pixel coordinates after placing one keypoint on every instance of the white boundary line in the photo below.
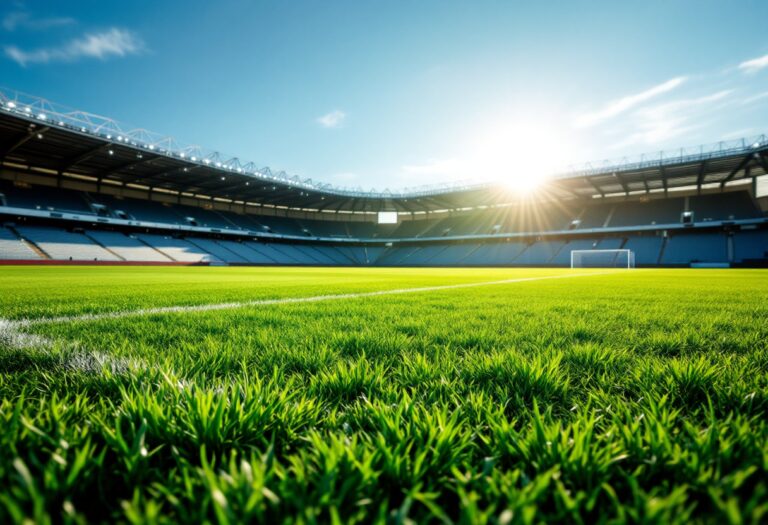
(74, 357)
(266, 302)
(71, 355)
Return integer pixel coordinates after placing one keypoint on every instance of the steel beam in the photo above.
(594, 185)
(21, 140)
(77, 159)
(702, 172)
(161, 173)
(622, 182)
(763, 160)
(127, 166)
(737, 169)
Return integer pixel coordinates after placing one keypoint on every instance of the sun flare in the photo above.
(521, 154)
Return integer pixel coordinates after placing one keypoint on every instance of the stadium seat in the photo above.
(695, 247)
(11, 247)
(63, 245)
(177, 249)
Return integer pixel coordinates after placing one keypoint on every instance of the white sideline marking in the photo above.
(73, 357)
(284, 300)
(11, 336)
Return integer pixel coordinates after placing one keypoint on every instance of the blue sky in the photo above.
(399, 94)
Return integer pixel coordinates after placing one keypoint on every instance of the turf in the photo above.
(630, 396)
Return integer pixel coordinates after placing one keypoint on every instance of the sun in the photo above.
(520, 154)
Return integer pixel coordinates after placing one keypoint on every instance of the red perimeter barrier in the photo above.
(52, 262)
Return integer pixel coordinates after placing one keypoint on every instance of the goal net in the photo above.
(602, 259)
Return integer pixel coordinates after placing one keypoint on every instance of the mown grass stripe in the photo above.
(285, 300)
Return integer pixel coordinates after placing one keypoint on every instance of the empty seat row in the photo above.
(12, 247)
(60, 244)
(526, 216)
(677, 248)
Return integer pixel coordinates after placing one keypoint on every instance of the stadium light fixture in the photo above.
(12, 105)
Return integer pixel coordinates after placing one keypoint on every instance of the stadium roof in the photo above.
(42, 137)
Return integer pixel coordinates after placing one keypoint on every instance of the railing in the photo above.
(40, 110)
(669, 157)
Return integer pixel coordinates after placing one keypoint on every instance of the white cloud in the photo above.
(669, 108)
(755, 64)
(23, 20)
(656, 124)
(334, 119)
(755, 98)
(112, 43)
(738, 134)
(619, 106)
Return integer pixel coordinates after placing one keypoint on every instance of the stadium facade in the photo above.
(82, 188)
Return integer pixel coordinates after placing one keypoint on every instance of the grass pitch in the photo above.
(631, 396)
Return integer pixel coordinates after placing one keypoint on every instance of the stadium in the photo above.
(503, 337)
(81, 188)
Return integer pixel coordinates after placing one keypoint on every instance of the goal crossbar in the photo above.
(622, 258)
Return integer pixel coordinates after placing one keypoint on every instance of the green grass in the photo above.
(636, 396)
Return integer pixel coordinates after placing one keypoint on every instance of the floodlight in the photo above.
(11, 105)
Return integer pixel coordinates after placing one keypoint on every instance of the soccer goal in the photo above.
(602, 259)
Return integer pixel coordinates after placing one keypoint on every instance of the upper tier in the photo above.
(524, 217)
(46, 139)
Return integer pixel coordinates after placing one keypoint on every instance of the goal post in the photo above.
(619, 258)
